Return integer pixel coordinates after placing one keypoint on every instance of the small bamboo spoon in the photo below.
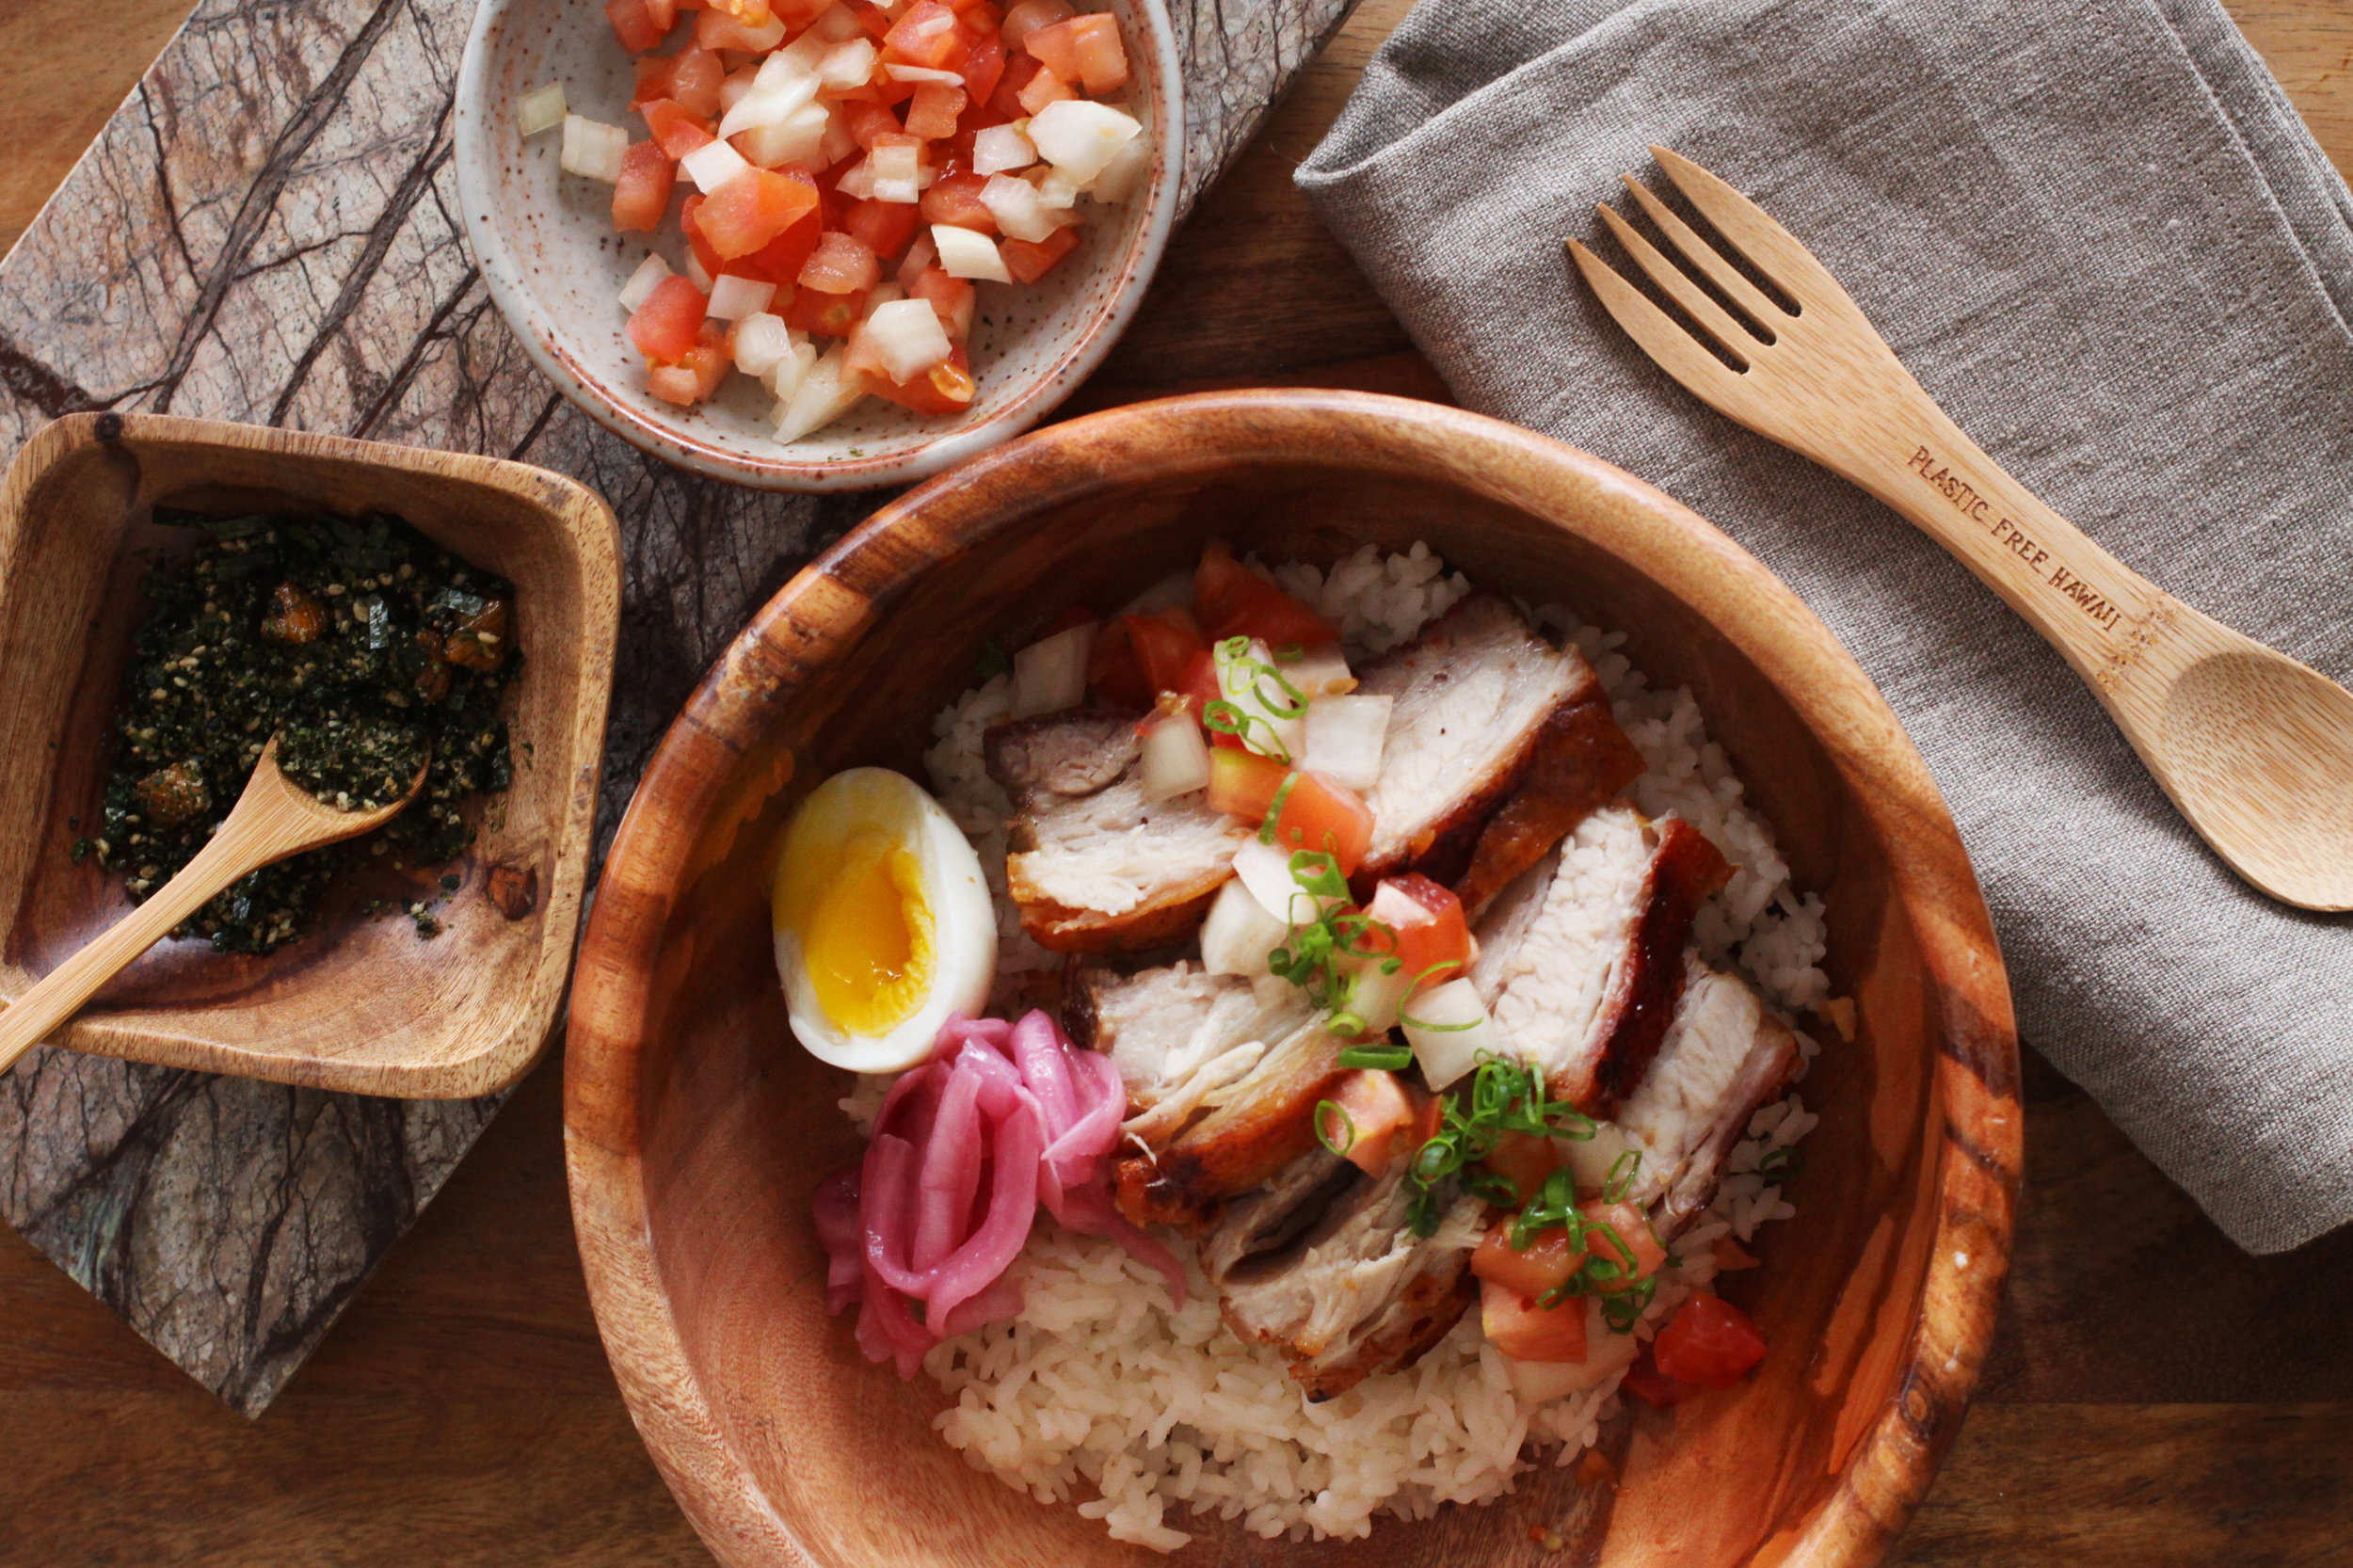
(2255, 749)
(272, 819)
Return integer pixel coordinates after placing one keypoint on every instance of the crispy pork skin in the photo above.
(1255, 1126)
(1095, 867)
(1581, 958)
(1724, 1056)
(1321, 1265)
(1179, 1035)
(1579, 763)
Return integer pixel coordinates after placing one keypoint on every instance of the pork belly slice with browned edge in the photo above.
(1095, 867)
(1580, 958)
(1321, 1264)
(1177, 1035)
(1251, 1129)
(1724, 1056)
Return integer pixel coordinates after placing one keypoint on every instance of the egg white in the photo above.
(864, 800)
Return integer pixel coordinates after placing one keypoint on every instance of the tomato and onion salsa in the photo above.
(362, 646)
(852, 171)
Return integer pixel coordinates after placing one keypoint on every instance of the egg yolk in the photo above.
(869, 942)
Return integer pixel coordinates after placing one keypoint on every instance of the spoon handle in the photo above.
(236, 849)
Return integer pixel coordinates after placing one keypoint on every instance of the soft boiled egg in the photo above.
(883, 923)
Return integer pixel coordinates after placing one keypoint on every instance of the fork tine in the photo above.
(1742, 345)
(1705, 257)
(1774, 250)
(1658, 335)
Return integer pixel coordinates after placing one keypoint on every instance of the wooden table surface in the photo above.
(2154, 1397)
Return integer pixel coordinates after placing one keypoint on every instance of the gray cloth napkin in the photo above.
(2100, 236)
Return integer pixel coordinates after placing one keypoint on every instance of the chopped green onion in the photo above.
(1781, 1162)
(1324, 1110)
(1623, 1171)
(1384, 1059)
(1275, 811)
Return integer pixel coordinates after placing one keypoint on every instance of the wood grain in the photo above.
(363, 1007)
(462, 1414)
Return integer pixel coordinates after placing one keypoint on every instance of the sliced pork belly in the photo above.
(1499, 742)
(1177, 1035)
(1724, 1056)
(1093, 867)
(1254, 1127)
(1581, 958)
(1322, 1265)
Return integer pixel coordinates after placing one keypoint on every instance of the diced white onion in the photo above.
(921, 254)
(694, 273)
(823, 395)
(593, 149)
(1058, 192)
(1345, 736)
(1321, 672)
(907, 335)
(641, 284)
(761, 340)
(858, 180)
(1001, 149)
(803, 57)
(1125, 172)
(1590, 1159)
(920, 73)
(737, 86)
(1607, 1353)
(964, 253)
(765, 105)
(1176, 758)
(848, 66)
(785, 377)
(1015, 205)
(1267, 727)
(713, 164)
(1448, 1027)
(1080, 135)
(732, 298)
(543, 110)
(895, 167)
(799, 140)
(1239, 933)
(840, 142)
(1051, 675)
(1379, 994)
(1266, 871)
(880, 294)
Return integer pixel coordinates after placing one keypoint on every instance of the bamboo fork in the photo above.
(2255, 749)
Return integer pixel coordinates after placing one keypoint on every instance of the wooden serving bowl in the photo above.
(359, 1003)
(697, 1128)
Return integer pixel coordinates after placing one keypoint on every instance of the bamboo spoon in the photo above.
(272, 819)
(2255, 749)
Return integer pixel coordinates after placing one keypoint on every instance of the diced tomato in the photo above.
(841, 264)
(642, 195)
(1005, 103)
(946, 388)
(1232, 600)
(1319, 814)
(882, 227)
(781, 258)
(983, 68)
(633, 24)
(665, 325)
(1428, 931)
(751, 13)
(950, 298)
(653, 79)
(1242, 783)
(1543, 1265)
(1635, 1248)
(693, 80)
(933, 113)
(697, 375)
(1646, 1383)
(678, 128)
(868, 122)
(1379, 1109)
(749, 211)
(1708, 1342)
(926, 36)
(1114, 672)
(1201, 686)
(1029, 263)
(717, 30)
(1166, 649)
(663, 12)
(1731, 1256)
(1029, 16)
(872, 17)
(1083, 49)
(689, 220)
(1042, 90)
(827, 315)
(954, 199)
(1518, 1328)
(1524, 1160)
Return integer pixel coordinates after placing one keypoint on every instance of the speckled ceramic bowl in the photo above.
(555, 266)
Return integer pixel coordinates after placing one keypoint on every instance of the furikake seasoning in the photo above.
(360, 644)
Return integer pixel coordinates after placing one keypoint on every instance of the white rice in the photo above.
(1105, 1392)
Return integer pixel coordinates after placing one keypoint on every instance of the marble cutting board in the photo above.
(267, 231)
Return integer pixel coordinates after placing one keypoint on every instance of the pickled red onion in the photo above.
(1003, 1118)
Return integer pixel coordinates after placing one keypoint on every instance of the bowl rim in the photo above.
(593, 538)
(543, 340)
(829, 605)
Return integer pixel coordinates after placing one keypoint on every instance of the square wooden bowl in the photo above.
(361, 1003)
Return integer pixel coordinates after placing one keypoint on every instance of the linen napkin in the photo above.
(2100, 236)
